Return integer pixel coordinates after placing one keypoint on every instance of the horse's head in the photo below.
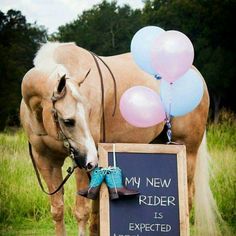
(72, 116)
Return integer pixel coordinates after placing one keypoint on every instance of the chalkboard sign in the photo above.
(159, 173)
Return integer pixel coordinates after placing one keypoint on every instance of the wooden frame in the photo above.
(179, 150)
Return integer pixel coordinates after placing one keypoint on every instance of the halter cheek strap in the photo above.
(61, 135)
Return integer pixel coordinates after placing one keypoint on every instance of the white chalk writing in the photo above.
(141, 227)
(156, 200)
(134, 181)
(158, 182)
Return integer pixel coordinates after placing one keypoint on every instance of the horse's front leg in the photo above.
(94, 218)
(52, 175)
(57, 202)
(83, 205)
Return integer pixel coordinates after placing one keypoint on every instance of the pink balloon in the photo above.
(141, 107)
(172, 55)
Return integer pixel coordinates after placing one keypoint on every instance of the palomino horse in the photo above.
(80, 111)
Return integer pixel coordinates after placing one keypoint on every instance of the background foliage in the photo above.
(107, 29)
(18, 44)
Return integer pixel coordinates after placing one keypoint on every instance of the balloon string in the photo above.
(168, 116)
(114, 154)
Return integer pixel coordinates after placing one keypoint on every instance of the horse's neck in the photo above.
(74, 59)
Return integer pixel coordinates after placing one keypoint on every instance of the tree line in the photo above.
(19, 41)
(107, 29)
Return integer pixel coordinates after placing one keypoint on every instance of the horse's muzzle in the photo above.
(81, 160)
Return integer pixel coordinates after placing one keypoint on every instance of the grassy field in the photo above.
(24, 209)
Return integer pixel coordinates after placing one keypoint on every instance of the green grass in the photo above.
(22, 204)
(25, 210)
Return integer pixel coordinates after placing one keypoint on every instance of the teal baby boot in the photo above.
(115, 185)
(97, 177)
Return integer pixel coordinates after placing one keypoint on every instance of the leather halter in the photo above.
(60, 133)
(62, 136)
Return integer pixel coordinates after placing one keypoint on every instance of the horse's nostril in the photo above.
(89, 166)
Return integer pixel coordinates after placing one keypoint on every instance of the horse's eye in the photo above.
(69, 122)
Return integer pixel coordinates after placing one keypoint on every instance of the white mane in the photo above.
(45, 60)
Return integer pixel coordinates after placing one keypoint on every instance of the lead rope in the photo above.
(114, 84)
(70, 170)
(102, 98)
(102, 89)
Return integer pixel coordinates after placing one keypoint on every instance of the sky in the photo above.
(53, 13)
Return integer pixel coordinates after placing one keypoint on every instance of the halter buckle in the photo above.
(66, 144)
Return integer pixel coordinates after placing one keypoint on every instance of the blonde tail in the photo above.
(207, 216)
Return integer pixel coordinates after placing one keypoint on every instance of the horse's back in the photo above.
(128, 73)
(188, 129)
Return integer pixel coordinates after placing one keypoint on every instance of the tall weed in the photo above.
(221, 140)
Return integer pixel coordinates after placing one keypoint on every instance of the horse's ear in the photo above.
(81, 82)
(62, 84)
(60, 89)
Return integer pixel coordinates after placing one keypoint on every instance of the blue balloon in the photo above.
(183, 95)
(141, 46)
